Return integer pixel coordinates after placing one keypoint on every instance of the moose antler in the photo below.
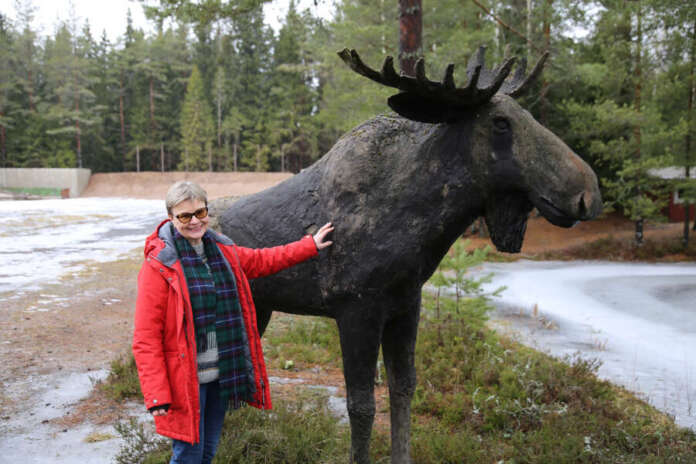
(482, 83)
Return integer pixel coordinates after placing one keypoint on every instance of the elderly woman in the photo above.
(195, 342)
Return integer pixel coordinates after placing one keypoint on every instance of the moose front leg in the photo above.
(398, 347)
(360, 332)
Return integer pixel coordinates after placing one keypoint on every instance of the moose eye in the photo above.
(501, 125)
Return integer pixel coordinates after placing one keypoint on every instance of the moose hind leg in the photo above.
(398, 347)
(360, 337)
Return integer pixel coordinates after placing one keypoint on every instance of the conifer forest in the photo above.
(210, 86)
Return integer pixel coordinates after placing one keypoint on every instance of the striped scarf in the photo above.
(215, 305)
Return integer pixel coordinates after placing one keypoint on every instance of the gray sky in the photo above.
(110, 15)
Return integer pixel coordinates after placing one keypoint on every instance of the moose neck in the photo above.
(406, 191)
(453, 186)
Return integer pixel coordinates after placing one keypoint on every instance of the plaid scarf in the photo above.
(215, 304)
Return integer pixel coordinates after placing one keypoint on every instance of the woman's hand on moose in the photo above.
(321, 235)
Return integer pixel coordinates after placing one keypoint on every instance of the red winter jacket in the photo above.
(163, 339)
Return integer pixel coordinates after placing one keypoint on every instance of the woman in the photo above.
(196, 344)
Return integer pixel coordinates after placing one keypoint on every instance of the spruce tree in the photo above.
(197, 129)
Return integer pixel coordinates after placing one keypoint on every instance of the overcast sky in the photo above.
(110, 15)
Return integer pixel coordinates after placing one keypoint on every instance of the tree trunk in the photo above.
(234, 150)
(227, 153)
(687, 213)
(122, 119)
(3, 149)
(219, 122)
(153, 125)
(689, 121)
(137, 158)
(637, 94)
(162, 156)
(78, 139)
(411, 35)
(31, 91)
(529, 29)
(544, 109)
(210, 157)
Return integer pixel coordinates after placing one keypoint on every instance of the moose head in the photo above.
(519, 163)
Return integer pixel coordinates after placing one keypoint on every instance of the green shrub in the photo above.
(298, 432)
(122, 382)
(140, 446)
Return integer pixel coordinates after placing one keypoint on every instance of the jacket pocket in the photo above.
(178, 380)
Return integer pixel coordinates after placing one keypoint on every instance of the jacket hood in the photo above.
(160, 243)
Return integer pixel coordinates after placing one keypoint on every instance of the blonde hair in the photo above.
(184, 190)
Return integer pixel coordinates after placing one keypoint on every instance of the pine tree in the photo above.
(7, 85)
(65, 76)
(293, 96)
(676, 93)
(197, 129)
(370, 27)
(251, 86)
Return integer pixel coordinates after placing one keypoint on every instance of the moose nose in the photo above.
(582, 209)
(588, 204)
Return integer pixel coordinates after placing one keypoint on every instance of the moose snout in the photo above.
(588, 203)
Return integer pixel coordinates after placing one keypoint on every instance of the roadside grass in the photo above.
(38, 191)
(481, 397)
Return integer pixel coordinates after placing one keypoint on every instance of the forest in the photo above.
(212, 87)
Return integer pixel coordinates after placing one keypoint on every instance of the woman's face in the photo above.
(192, 231)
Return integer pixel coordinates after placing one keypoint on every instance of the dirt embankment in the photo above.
(154, 185)
(542, 236)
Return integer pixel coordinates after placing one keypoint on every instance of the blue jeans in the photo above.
(212, 417)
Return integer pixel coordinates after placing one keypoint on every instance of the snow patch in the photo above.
(42, 240)
(638, 319)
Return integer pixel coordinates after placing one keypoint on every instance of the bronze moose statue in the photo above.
(400, 189)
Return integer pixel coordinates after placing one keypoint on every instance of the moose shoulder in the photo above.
(400, 189)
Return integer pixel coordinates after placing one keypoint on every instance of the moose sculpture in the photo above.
(400, 190)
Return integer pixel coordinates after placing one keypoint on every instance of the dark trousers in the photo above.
(212, 418)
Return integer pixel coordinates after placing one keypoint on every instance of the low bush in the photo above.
(122, 382)
(298, 432)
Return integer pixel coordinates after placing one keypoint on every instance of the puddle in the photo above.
(337, 404)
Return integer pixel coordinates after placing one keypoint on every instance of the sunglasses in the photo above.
(200, 213)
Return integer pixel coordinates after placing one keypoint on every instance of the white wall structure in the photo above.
(74, 179)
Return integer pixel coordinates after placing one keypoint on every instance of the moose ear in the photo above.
(422, 109)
